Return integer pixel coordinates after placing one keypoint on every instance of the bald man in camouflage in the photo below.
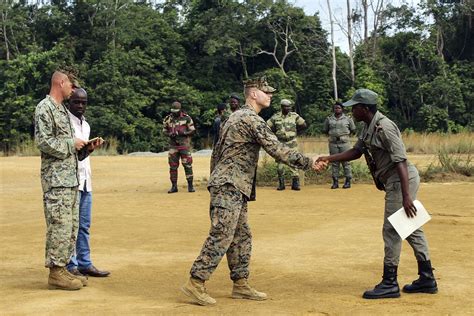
(179, 127)
(286, 125)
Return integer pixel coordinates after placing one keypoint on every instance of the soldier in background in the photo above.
(218, 120)
(59, 148)
(179, 127)
(233, 165)
(234, 102)
(339, 127)
(286, 125)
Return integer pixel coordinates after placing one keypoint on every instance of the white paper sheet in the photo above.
(405, 225)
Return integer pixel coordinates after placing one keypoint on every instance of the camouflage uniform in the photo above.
(339, 129)
(233, 164)
(285, 129)
(385, 144)
(180, 146)
(54, 136)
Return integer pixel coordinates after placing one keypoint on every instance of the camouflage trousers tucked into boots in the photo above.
(229, 235)
(174, 154)
(61, 211)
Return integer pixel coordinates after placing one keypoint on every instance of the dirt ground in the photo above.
(314, 251)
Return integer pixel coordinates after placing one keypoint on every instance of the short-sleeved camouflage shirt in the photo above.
(182, 123)
(235, 156)
(54, 136)
(384, 141)
(285, 126)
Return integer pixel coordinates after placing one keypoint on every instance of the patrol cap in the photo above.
(286, 102)
(221, 106)
(364, 96)
(259, 83)
(234, 96)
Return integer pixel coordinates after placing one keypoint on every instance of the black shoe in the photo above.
(347, 183)
(190, 185)
(426, 283)
(295, 185)
(281, 184)
(388, 288)
(174, 188)
(335, 183)
(94, 272)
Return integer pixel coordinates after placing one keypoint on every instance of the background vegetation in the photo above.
(136, 57)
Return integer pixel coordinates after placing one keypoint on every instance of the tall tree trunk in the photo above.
(349, 39)
(334, 64)
(4, 30)
(242, 60)
(365, 7)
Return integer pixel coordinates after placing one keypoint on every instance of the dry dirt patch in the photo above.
(315, 251)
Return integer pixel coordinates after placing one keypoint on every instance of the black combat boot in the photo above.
(174, 188)
(335, 183)
(347, 184)
(295, 185)
(426, 283)
(281, 184)
(190, 185)
(388, 288)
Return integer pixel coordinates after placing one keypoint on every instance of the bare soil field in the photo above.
(314, 251)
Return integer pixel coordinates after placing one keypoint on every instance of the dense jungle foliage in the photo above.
(135, 57)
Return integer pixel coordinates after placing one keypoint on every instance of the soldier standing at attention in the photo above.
(233, 165)
(59, 148)
(380, 140)
(286, 125)
(179, 127)
(339, 127)
(218, 120)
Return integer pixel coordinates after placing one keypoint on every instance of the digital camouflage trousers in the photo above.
(229, 235)
(61, 211)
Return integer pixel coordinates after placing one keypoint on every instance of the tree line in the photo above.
(136, 57)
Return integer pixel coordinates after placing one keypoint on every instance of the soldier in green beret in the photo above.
(339, 127)
(286, 125)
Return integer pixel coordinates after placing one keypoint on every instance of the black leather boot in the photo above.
(335, 183)
(388, 288)
(281, 184)
(347, 183)
(426, 283)
(174, 188)
(295, 185)
(190, 185)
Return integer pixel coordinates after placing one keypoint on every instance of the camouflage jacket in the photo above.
(54, 136)
(178, 125)
(339, 129)
(285, 126)
(235, 157)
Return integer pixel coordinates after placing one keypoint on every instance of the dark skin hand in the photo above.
(408, 205)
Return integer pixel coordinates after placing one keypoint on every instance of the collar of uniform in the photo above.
(371, 127)
(53, 101)
(249, 107)
(340, 117)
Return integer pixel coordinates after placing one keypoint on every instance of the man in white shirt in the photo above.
(81, 263)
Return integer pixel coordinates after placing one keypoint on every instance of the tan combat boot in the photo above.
(60, 279)
(195, 289)
(242, 289)
(80, 277)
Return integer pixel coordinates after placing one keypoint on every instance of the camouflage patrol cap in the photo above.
(286, 102)
(364, 96)
(259, 83)
(234, 96)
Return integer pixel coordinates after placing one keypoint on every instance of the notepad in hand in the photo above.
(404, 225)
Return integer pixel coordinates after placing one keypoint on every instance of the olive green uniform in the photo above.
(285, 129)
(339, 130)
(383, 139)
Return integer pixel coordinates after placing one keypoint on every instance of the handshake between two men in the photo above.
(320, 163)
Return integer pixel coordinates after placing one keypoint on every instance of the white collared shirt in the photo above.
(82, 130)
